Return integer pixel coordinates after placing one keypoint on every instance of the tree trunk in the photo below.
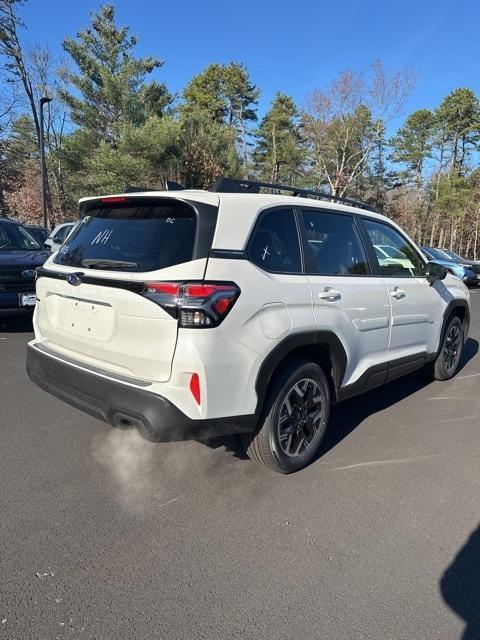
(440, 240)
(13, 51)
(476, 236)
(467, 250)
(274, 159)
(433, 230)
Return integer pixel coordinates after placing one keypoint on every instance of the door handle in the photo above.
(329, 294)
(398, 293)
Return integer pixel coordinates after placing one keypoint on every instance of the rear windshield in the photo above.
(135, 235)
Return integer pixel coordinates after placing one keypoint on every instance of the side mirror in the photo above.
(436, 272)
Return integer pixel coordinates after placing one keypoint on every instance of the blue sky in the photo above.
(290, 46)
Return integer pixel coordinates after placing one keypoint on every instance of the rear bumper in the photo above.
(123, 405)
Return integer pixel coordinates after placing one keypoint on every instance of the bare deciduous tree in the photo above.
(345, 122)
(46, 81)
(12, 51)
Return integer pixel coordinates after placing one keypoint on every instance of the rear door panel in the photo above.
(359, 315)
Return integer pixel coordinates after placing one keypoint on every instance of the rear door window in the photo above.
(333, 244)
(275, 245)
(135, 235)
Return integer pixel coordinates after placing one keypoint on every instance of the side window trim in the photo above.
(306, 254)
(309, 270)
(375, 267)
(262, 213)
(368, 246)
(298, 224)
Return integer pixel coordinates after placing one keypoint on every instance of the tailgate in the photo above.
(106, 326)
(101, 316)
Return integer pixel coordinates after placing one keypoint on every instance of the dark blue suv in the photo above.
(20, 255)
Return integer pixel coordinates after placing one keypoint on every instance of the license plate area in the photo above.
(86, 319)
(27, 299)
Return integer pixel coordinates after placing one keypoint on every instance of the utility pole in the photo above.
(43, 101)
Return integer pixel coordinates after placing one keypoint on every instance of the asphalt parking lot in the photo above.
(106, 536)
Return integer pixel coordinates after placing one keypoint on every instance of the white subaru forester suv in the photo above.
(192, 314)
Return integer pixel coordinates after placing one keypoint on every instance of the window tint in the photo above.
(400, 260)
(428, 253)
(453, 255)
(38, 233)
(61, 234)
(275, 245)
(13, 237)
(334, 244)
(138, 235)
(436, 254)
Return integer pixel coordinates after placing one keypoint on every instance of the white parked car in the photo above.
(58, 236)
(189, 314)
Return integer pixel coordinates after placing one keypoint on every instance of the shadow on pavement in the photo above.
(470, 350)
(16, 322)
(460, 586)
(231, 444)
(347, 415)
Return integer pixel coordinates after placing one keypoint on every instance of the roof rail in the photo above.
(236, 185)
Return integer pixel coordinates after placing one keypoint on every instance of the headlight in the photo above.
(465, 266)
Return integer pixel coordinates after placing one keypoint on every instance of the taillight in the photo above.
(195, 304)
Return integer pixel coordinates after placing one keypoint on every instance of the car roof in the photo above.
(261, 199)
(237, 211)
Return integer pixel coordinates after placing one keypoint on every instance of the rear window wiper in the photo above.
(102, 263)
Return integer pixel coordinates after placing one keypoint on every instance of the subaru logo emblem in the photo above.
(28, 273)
(73, 279)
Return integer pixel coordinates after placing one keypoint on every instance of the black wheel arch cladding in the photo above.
(326, 342)
(455, 308)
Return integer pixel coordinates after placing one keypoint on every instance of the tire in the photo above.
(297, 406)
(446, 364)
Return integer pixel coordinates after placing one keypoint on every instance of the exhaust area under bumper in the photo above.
(123, 405)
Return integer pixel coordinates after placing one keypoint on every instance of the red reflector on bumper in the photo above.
(195, 387)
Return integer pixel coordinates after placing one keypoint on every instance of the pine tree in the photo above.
(225, 95)
(279, 154)
(110, 87)
(21, 143)
(412, 146)
(459, 118)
